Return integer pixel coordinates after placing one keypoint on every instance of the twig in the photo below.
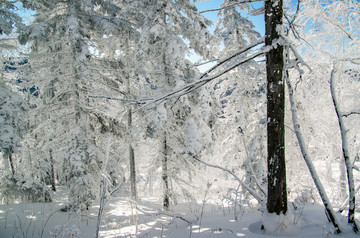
(346, 114)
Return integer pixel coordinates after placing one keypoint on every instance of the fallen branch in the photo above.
(178, 216)
(174, 215)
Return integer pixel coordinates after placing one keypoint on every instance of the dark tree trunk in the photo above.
(52, 171)
(277, 195)
(11, 162)
(165, 176)
(132, 161)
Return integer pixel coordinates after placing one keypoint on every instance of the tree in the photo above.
(61, 37)
(340, 21)
(162, 49)
(277, 194)
(12, 127)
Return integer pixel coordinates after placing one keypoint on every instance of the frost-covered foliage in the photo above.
(8, 18)
(67, 129)
(169, 30)
(239, 111)
(17, 188)
(12, 125)
(234, 29)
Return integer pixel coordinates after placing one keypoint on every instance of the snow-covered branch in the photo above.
(258, 197)
(205, 78)
(230, 5)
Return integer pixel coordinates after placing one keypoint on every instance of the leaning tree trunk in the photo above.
(277, 194)
(345, 150)
(11, 162)
(328, 208)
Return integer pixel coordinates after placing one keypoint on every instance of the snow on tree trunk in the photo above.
(345, 150)
(277, 194)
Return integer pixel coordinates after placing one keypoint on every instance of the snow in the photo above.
(122, 219)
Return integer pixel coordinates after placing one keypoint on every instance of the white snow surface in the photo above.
(122, 219)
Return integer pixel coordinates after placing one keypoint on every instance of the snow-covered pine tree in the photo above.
(68, 122)
(15, 186)
(241, 95)
(170, 29)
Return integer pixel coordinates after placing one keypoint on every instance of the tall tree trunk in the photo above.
(277, 194)
(165, 177)
(345, 150)
(129, 125)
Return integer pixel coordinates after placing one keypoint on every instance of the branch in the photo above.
(346, 114)
(179, 216)
(257, 196)
(230, 5)
(207, 62)
(129, 100)
(262, 189)
(204, 79)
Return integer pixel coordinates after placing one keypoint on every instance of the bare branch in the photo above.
(257, 196)
(230, 5)
(346, 114)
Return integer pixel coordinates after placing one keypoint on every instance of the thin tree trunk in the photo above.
(52, 171)
(329, 209)
(132, 161)
(11, 162)
(165, 177)
(277, 194)
(129, 125)
(345, 150)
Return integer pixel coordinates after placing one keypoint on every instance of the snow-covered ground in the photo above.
(122, 219)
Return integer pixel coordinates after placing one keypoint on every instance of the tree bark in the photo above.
(277, 194)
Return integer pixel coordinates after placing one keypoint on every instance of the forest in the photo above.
(179, 118)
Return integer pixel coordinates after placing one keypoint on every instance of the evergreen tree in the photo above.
(61, 37)
(161, 51)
